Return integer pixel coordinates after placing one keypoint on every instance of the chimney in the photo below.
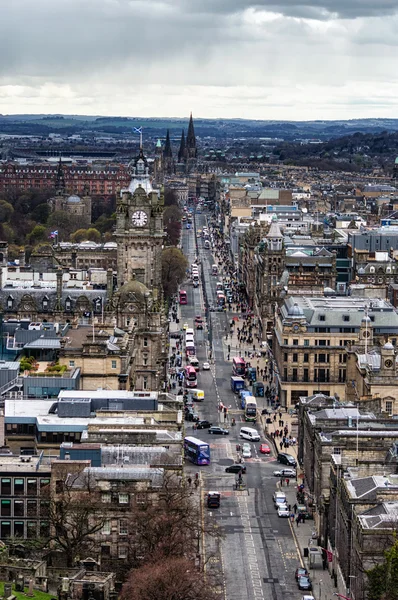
(22, 258)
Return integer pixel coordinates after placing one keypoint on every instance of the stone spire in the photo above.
(191, 140)
(182, 151)
(167, 151)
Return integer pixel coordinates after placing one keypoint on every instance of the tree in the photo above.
(174, 266)
(172, 224)
(6, 211)
(64, 223)
(170, 197)
(75, 513)
(38, 234)
(383, 578)
(170, 579)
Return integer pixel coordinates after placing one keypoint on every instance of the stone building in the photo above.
(72, 204)
(310, 340)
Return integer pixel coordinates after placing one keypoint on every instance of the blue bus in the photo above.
(197, 451)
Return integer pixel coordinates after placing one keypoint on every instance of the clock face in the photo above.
(388, 363)
(139, 218)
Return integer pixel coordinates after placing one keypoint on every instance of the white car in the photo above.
(307, 597)
(246, 451)
(283, 511)
(285, 473)
(206, 366)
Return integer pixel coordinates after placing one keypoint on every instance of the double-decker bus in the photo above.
(191, 379)
(183, 299)
(239, 366)
(197, 451)
(190, 349)
(250, 409)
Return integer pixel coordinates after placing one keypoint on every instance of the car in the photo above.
(199, 324)
(206, 366)
(287, 459)
(285, 473)
(185, 326)
(218, 431)
(300, 571)
(304, 583)
(283, 511)
(236, 468)
(307, 597)
(204, 425)
(246, 451)
(191, 415)
(265, 449)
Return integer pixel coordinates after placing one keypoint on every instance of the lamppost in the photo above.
(320, 588)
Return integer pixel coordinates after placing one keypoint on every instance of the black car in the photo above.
(304, 583)
(236, 468)
(204, 424)
(287, 459)
(218, 430)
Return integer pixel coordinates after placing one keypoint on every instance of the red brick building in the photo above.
(97, 180)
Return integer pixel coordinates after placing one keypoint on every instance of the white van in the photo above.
(189, 338)
(193, 361)
(248, 433)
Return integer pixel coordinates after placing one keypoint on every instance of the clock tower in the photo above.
(139, 230)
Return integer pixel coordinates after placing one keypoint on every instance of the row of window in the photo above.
(21, 508)
(318, 358)
(21, 486)
(24, 529)
(320, 375)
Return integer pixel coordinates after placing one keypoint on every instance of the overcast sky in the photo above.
(271, 59)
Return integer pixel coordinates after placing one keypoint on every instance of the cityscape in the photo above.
(199, 301)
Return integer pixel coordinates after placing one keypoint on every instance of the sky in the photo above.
(270, 59)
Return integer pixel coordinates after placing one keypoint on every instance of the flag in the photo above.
(138, 130)
(329, 554)
(53, 234)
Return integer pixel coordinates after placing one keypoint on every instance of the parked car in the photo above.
(287, 459)
(265, 449)
(218, 430)
(300, 571)
(236, 468)
(285, 473)
(206, 366)
(283, 511)
(304, 583)
(204, 425)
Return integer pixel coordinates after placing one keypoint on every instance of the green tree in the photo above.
(93, 235)
(172, 224)
(79, 236)
(174, 266)
(383, 578)
(6, 211)
(41, 213)
(38, 234)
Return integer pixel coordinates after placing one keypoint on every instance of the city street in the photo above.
(259, 553)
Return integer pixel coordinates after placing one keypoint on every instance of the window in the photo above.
(6, 508)
(105, 550)
(346, 318)
(122, 551)
(294, 375)
(389, 407)
(145, 360)
(114, 364)
(44, 483)
(19, 529)
(31, 508)
(18, 508)
(123, 498)
(5, 529)
(342, 358)
(19, 487)
(145, 342)
(6, 487)
(145, 383)
(31, 529)
(71, 363)
(336, 451)
(44, 529)
(123, 527)
(306, 357)
(322, 317)
(342, 375)
(295, 342)
(295, 357)
(306, 342)
(285, 356)
(286, 341)
(106, 498)
(305, 375)
(106, 528)
(31, 487)
(285, 374)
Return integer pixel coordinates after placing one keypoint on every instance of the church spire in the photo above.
(191, 140)
(182, 150)
(167, 152)
(60, 178)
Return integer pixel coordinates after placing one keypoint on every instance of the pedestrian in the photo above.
(297, 521)
(292, 517)
(281, 445)
(295, 508)
(289, 508)
(280, 415)
(287, 481)
(189, 481)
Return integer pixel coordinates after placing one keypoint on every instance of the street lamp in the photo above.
(320, 588)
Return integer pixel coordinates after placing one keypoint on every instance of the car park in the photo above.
(218, 431)
(264, 449)
(283, 511)
(204, 425)
(304, 583)
(236, 468)
(299, 572)
(285, 473)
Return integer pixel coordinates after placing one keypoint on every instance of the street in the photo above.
(259, 554)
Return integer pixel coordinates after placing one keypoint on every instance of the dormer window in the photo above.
(45, 303)
(346, 318)
(68, 303)
(322, 317)
(10, 302)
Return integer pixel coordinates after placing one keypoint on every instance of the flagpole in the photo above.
(141, 138)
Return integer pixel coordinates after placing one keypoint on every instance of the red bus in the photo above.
(183, 297)
(190, 349)
(239, 366)
(191, 379)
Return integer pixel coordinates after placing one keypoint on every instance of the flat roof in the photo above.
(108, 394)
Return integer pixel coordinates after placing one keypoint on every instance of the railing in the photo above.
(16, 381)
